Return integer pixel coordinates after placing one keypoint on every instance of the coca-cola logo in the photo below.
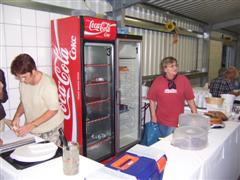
(62, 56)
(100, 27)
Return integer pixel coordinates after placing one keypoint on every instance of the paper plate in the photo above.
(34, 152)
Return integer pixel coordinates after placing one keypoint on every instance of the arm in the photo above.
(18, 113)
(189, 96)
(35, 123)
(3, 91)
(192, 106)
(153, 106)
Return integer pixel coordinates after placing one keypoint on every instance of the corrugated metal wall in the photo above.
(157, 45)
(147, 13)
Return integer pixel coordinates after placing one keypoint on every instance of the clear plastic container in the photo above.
(190, 138)
(194, 120)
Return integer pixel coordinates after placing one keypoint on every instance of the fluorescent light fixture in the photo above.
(205, 35)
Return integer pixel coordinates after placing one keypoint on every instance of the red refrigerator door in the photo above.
(99, 100)
(66, 71)
(86, 85)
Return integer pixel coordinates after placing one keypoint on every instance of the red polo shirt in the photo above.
(170, 102)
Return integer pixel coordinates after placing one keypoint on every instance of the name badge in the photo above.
(170, 91)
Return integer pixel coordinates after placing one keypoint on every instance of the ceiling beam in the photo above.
(226, 24)
(119, 7)
(121, 4)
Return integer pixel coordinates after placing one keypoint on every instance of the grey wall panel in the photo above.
(157, 45)
(207, 11)
(159, 16)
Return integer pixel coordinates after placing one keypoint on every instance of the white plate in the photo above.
(34, 152)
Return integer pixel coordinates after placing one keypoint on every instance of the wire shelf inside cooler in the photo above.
(99, 144)
(98, 141)
(98, 150)
(97, 101)
(97, 65)
(98, 130)
(96, 74)
(94, 83)
(95, 117)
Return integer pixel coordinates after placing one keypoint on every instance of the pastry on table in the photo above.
(216, 121)
(217, 117)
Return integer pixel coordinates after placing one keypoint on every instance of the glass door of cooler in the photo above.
(128, 85)
(99, 93)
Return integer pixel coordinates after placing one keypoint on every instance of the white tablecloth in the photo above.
(53, 169)
(220, 160)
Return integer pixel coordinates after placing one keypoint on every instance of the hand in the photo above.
(154, 120)
(22, 131)
(1, 141)
(15, 124)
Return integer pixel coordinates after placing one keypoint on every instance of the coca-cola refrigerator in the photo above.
(128, 91)
(83, 68)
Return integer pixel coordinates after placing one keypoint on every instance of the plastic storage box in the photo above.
(194, 120)
(189, 137)
(192, 133)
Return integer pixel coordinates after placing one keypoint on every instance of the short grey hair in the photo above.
(231, 73)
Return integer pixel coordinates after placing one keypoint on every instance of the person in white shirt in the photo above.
(38, 101)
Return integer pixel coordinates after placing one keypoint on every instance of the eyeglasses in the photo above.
(172, 65)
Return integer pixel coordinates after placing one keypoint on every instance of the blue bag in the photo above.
(151, 133)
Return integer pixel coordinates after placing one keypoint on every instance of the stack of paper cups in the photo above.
(228, 102)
